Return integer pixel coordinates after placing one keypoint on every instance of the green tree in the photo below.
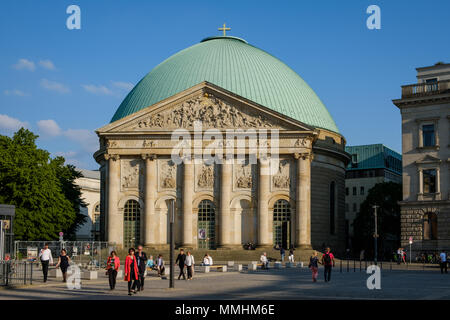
(41, 188)
(386, 195)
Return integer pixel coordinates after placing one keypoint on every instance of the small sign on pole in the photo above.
(61, 234)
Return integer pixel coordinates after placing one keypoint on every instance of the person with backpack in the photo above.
(328, 263)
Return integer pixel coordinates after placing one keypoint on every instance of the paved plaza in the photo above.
(273, 284)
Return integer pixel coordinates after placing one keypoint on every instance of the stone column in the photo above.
(225, 199)
(263, 202)
(113, 219)
(303, 201)
(150, 218)
(188, 188)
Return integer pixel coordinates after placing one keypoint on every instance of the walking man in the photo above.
(443, 262)
(46, 258)
(181, 260)
(328, 263)
(141, 259)
(190, 265)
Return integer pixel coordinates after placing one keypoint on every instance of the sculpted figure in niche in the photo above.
(206, 177)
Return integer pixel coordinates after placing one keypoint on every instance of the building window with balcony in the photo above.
(428, 135)
(430, 226)
(429, 181)
(362, 191)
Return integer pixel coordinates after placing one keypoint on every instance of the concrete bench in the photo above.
(120, 274)
(237, 267)
(89, 275)
(300, 265)
(230, 264)
(204, 269)
(277, 265)
(289, 265)
(252, 266)
(55, 273)
(219, 268)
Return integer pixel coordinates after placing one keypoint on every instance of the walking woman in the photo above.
(190, 265)
(112, 267)
(63, 263)
(313, 265)
(131, 271)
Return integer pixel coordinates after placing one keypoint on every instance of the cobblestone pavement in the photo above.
(272, 284)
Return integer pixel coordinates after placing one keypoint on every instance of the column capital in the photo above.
(303, 155)
(148, 156)
(114, 157)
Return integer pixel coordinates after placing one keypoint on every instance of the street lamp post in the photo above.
(375, 235)
(172, 220)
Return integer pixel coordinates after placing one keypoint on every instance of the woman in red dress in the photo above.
(131, 271)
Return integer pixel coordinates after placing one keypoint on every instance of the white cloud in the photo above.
(86, 138)
(15, 92)
(24, 64)
(123, 85)
(54, 86)
(47, 64)
(97, 89)
(49, 127)
(10, 125)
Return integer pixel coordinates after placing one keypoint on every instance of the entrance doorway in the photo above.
(282, 224)
(206, 226)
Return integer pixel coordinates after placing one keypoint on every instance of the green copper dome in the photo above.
(233, 64)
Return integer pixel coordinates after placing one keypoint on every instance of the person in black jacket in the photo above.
(141, 259)
(181, 260)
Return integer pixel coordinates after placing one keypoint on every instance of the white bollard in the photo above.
(223, 269)
(120, 274)
(89, 275)
(230, 264)
(252, 266)
(300, 265)
(238, 267)
(55, 273)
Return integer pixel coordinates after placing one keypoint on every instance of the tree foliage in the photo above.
(42, 189)
(386, 195)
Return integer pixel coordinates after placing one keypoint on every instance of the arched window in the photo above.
(131, 223)
(430, 226)
(332, 203)
(206, 225)
(281, 224)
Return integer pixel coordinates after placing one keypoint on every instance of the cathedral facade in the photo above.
(234, 143)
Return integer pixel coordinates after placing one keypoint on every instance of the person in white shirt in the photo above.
(264, 261)
(46, 258)
(206, 260)
(210, 260)
(189, 265)
(443, 263)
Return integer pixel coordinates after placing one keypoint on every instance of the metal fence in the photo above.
(16, 273)
(352, 265)
(90, 255)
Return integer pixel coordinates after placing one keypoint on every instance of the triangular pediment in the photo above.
(428, 159)
(214, 107)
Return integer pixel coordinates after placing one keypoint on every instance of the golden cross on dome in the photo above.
(224, 29)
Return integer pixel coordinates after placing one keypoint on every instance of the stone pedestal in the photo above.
(89, 275)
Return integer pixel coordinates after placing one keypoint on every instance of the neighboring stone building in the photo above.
(226, 84)
(370, 164)
(90, 192)
(425, 110)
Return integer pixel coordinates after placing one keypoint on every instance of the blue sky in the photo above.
(63, 84)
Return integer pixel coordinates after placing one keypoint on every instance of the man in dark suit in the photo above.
(181, 260)
(141, 259)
